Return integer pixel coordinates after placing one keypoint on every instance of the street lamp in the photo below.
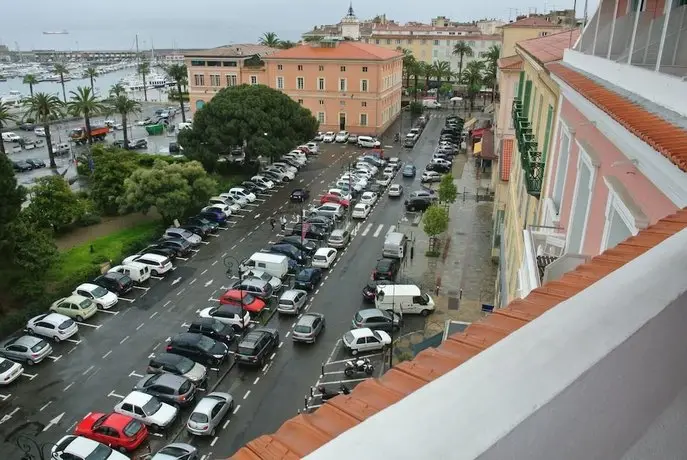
(229, 262)
(380, 296)
(32, 449)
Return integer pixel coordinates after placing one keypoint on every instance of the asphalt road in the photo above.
(102, 364)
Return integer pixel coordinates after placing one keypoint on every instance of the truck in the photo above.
(98, 133)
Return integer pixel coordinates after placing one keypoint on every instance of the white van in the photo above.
(186, 125)
(404, 298)
(430, 104)
(159, 265)
(139, 273)
(275, 264)
(394, 245)
(368, 142)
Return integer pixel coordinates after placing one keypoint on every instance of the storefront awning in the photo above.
(477, 148)
(478, 132)
(470, 123)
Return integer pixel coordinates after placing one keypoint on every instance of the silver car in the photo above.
(308, 327)
(256, 286)
(273, 280)
(292, 301)
(339, 238)
(209, 413)
(27, 348)
(331, 210)
(177, 451)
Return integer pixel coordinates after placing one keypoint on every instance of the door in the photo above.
(582, 198)
(342, 121)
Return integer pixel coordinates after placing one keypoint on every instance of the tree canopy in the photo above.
(448, 192)
(435, 222)
(268, 121)
(53, 204)
(110, 171)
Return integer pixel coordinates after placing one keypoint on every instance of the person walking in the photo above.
(282, 221)
(272, 222)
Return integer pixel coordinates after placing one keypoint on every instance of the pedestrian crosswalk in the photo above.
(372, 229)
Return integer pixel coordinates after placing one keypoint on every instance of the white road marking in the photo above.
(273, 355)
(378, 231)
(257, 379)
(134, 374)
(214, 441)
(94, 326)
(155, 277)
(391, 229)
(256, 216)
(233, 247)
(287, 334)
(73, 341)
(153, 315)
(113, 313)
(193, 281)
(208, 283)
(112, 394)
(29, 376)
(280, 344)
(167, 303)
(242, 239)
(367, 229)
(87, 370)
(226, 424)
(54, 358)
(204, 272)
(126, 300)
(181, 291)
(176, 281)
(68, 387)
(237, 409)
(124, 340)
(246, 395)
(140, 326)
(214, 263)
(107, 354)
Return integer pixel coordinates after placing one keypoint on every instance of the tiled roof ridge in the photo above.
(305, 433)
(662, 135)
(552, 34)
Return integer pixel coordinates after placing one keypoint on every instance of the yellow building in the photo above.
(532, 112)
(524, 29)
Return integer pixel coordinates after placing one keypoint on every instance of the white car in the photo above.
(281, 174)
(259, 274)
(366, 173)
(362, 182)
(342, 136)
(361, 211)
(285, 167)
(227, 314)
(39, 131)
(389, 170)
(159, 265)
(103, 298)
(225, 201)
(385, 180)
(147, 409)
(329, 137)
(368, 142)
(442, 162)
(324, 257)
(10, 137)
(241, 192)
(265, 182)
(396, 190)
(9, 371)
(367, 166)
(297, 156)
(430, 176)
(219, 207)
(365, 339)
(340, 193)
(368, 198)
(344, 184)
(314, 148)
(79, 448)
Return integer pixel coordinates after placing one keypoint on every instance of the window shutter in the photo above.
(547, 134)
(526, 97)
(521, 84)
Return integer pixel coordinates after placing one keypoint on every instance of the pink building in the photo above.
(347, 85)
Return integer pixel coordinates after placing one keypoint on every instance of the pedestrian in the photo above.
(272, 222)
(282, 221)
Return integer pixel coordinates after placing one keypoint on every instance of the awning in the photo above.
(478, 132)
(477, 148)
(487, 146)
(469, 123)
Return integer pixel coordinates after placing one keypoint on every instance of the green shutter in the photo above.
(547, 134)
(526, 97)
(521, 84)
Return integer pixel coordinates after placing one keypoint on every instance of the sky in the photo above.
(208, 23)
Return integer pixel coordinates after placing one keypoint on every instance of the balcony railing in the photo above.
(531, 159)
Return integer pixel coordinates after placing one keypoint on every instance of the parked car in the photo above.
(181, 248)
(115, 282)
(324, 222)
(214, 329)
(308, 279)
(209, 226)
(308, 327)
(433, 172)
(159, 265)
(289, 251)
(324, 258)
(255, 347)
(147, 409)
(361, 211)
(369, 198)
(161, 249)
(328, 137)
(172, 389)
(178, 365)
(102, 298)
(26, 348)
(395, 191)
(53, 326)
(318, 137)
(257, 287)
(117, 431)
(215, 216)
(333, 210)
(364, 340)
(409, 171)
(253, 187)
(386, 269)
(80, 448)
(430, 176)
(9, 371)
(36, 163)
(177, 451)
(304, 245)
(352, 138)
(273, 281)
(418, 204)
(341, 136)
(300, 195)
(198, 347)
(208, 414)
(292, 301)
(312, 231)
(21, 166)
(263, 180)
(370, 289)
(229, 313)
(138, 144)
(376, 319)
(76, 307)
(339, 238)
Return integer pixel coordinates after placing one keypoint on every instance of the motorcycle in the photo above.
(397, 137)
(358, 366)
(326, 394)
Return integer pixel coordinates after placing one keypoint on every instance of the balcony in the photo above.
(532, 160)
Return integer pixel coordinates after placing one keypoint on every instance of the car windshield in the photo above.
(198, 417)
(217, 326)
(205, 343)
(335, 238)
(85, 303)
(185, 365)
(132, 428)
(376, 334)
(286, 302)
(245, 350)
(152, 406)
(358, 317)
(303, 329)
(65, 325)
(319, 257)
(101, 452)
(303, 276)
(99, 292)
(348, 337)
(39, 346)
(5, 365)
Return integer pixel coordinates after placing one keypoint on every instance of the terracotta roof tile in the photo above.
(344, 50)
(663, 136)
(510, 63)
(532, 21)
(303, 434)
(237, 50)
(550, 47)
(506, 158)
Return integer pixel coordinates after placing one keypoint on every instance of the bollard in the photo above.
(306, 403)
(312, 392)
(412, 252)
(460, 296)
(322, 371)
(463, 194)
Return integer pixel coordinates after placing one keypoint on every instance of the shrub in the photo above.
(88, 219)
(416, 108)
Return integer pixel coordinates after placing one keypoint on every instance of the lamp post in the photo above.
(229, 262)
(32, 449)
(380, 297)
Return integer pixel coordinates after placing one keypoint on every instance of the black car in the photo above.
(217, 217)
(370, 289)
(138, 144)
(200, 230)
(272, 176)
(418, 203)
(256, 346)
(36, 163)
(214, 329)
(27, 126)
(211, 227)
(21, 166)
(115, 282)
(307, 246)
(300, 195)
(178, 365)
(374, 187)
(307, 279)
(313, 232)
(182, 247)
(252, 186)
(386, 269)
(321, 221)
(289, 251)
(198, 347)
(438, 168)
(160, 250)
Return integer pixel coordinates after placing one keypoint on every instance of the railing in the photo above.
(531, 159)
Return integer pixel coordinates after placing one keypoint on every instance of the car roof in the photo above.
(255, 281)
(308, 318)
(338, 232)
(137, 397)
(206, 404)
(169, 380)
(81, 446)
(362, 205)
(371, 312)
(75, 298)
(291, 294)
(55, 318)
(361, 332)
(168, 358)
(25, 340)
(323, 251)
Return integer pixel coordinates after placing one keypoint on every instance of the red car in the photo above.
(250, 303)
(331, 198)
(304, 149)
(118, 431)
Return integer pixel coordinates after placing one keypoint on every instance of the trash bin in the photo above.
(155, 130)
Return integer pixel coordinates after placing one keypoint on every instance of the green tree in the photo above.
(11, 196)
(202, 185)
(62, 70)
(143, 70)
(473, 78)
(30, 79)
(83, 103)
(427, 72)
(6, 117)
(442, 71)
(416, 72)
(117, 90)
(120, 103)
(448, 192)
(92, 73)
(435, 222)
(462, 49)
(111, 169)
(53, 204)
(268, 121)
(491, 58)
(409, 63)
(45, 108)
(179, 74)
(286, 44)
(270, 39)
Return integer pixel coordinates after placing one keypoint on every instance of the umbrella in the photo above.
(456, 99)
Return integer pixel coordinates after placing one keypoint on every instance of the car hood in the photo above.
(196, 373)
(386, 338)
(109, 298)
(164, 416)
(219, 349)
(205, 313)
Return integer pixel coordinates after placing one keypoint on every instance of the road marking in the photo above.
(232, 248)
(114, 313)
(213, 235)
(73, 341)
(126, 300)
(287, 334)
(214, 441)
(87, 370)
(280, 344)
(154, 277)
(140, 326)
(167, 303)
(214, 263)
(226, 424)
(246, 395)
(112, 394)
(378, 231)
(54, 422)
(29, 376)
(256, 216)
(134, 374)
(176, 281)
(193, 281)
(159, 435)
(107, 354)
(209, 300)
(237, 409)
(242, 239)
(68, 387)
(182, 258)
(203, 272)
(359, 356)
(124, 340)
(94, 326)
(257, 379)
(273, 355)
(153, 315)
(181, 291)
(208, 283)
(367, 229)
(54, 358)
(317, 291)
(391, 229)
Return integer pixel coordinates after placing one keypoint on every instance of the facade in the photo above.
(524, 29)
(211, 70)
(347, 85)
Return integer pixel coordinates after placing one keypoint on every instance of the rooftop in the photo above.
(532, 21)
(510, 63)
(341, 50)
(550, 47)
(424, 28)
(237, 50)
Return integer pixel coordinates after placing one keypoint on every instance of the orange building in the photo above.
(347, 85)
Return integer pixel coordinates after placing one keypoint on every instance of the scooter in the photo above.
(359, 366)
(326, 395)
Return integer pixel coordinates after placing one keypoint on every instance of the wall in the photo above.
(512, 35)
(206, 92)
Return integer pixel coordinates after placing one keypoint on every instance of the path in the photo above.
(108, 225)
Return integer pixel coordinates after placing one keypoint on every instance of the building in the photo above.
(524, 29)
(349, 27)
(535, 98)
(216, 68)
(173, 58)
(347, 85)
(489, 26)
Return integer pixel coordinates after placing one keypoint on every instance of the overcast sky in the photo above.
(206, 23)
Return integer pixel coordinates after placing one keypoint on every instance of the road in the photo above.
(101, 365)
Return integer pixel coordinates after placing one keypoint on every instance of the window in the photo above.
(197, 63)
(363, 86)
(398, 42)
(620, 221)
(342, 103)
(215, 80)
(377, 42)
(229, 63)
(436, 42)
(343, 68)
(300, 101)
(342, 84)
(321, 101)
(582, 197)
(214, 64)
(561, 167)
(547, 131)
(320, 117)
(199, 79)
(365, 68)
(320, 84)
(253, 79)
(300, 67)
(231, 80)
(363, 119)
(280, 82)
(543, 34)
(321, 69)
(388, 41)
(300, 83)
(280, 67)
(363, 104)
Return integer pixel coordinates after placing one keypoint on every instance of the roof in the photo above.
(428, 36)
(487, 152)
(344, 50)
(550, 47)
(506, 159)
(238, 50)
(424, 28)
(305, 433)
(660, 134)
(532, 21)
(510, 63)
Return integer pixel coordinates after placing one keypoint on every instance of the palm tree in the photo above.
(117, 90)
(119, 102)
(84, 104)
(92, 73)
(462, 49)
(408, 62)
(62, 70)
(30, 79)
(416, 72)
(143, 70)
(270, 39)
(45, 108)
(179, 74)
(441, 70)
(425, 71)
(286, 44)
(491, 58)
(5, 118)
(473, 78)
